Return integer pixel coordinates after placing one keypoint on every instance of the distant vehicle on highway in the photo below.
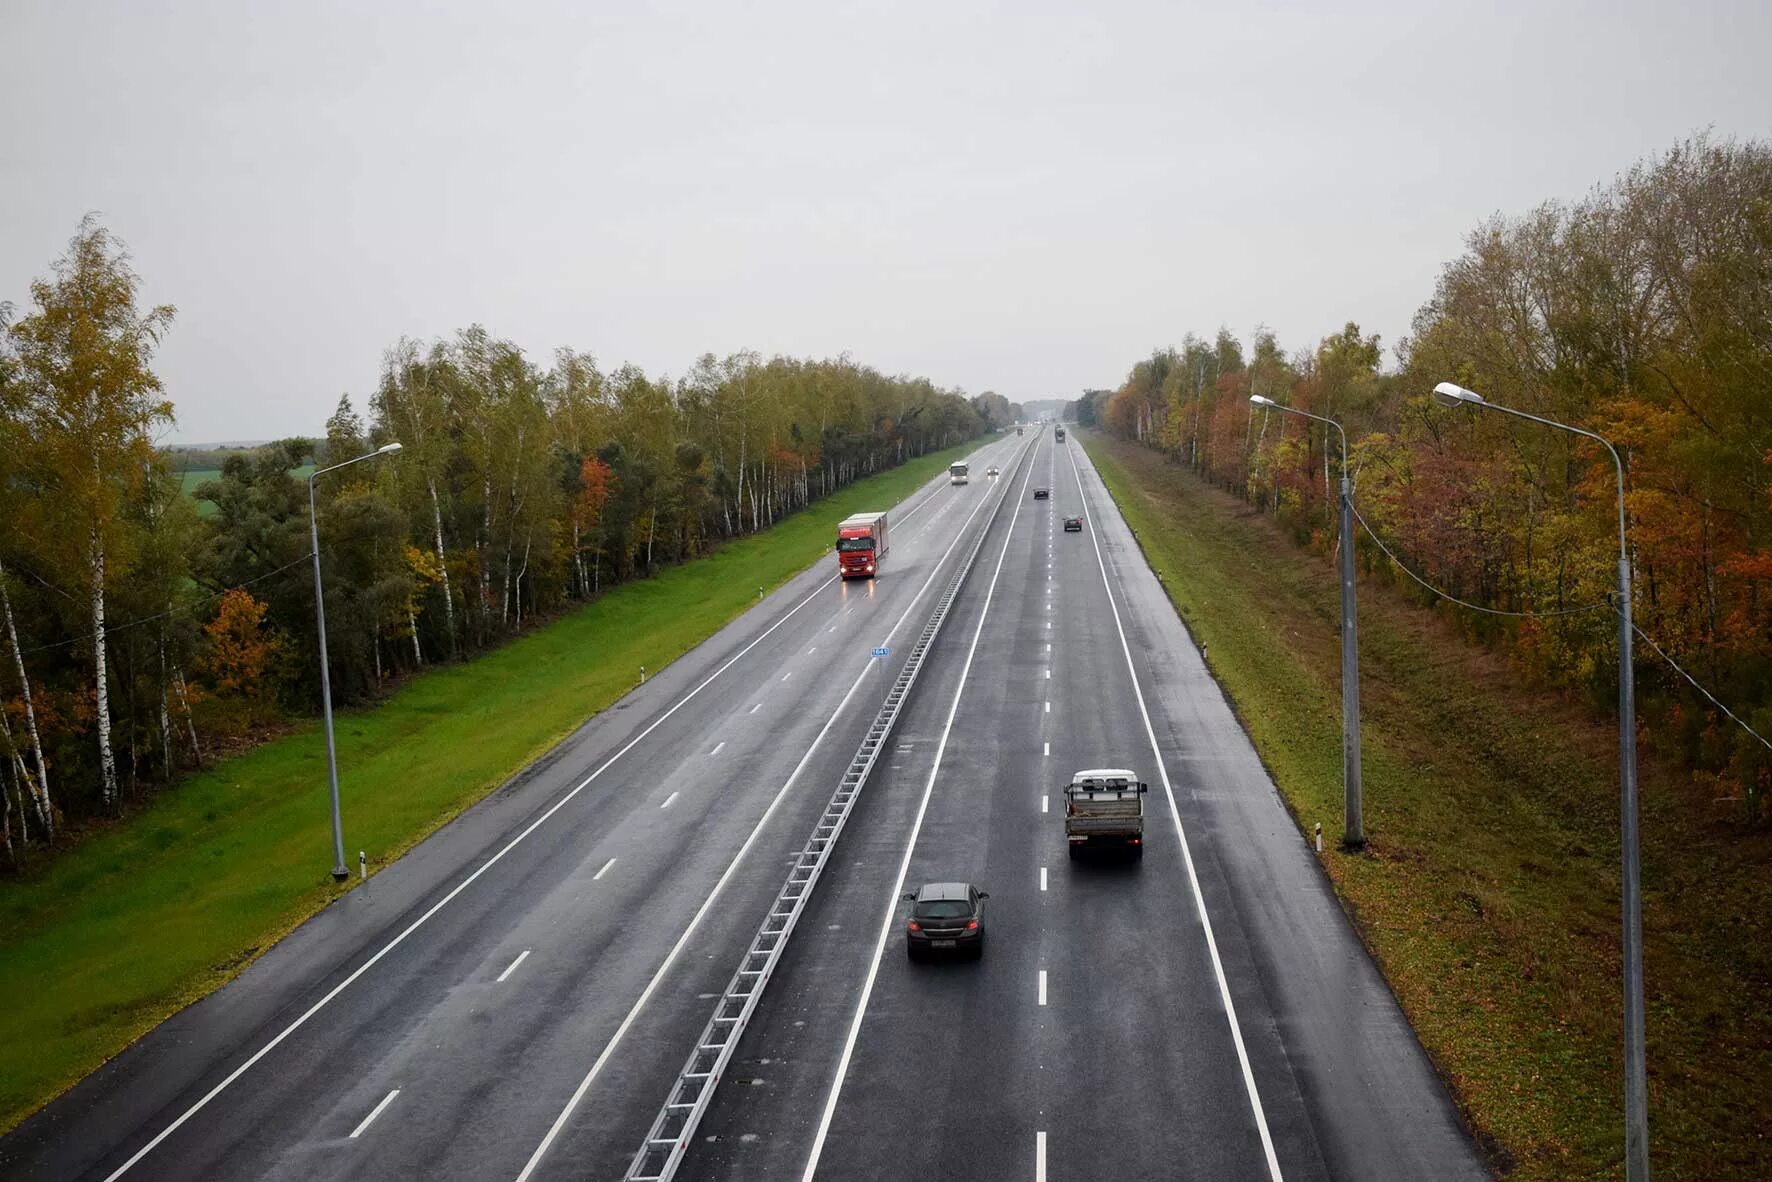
(947, 917)
(861, 543)
(957, 473)
(1073, 525)
(1018, 430)
(1058, 433)
(992, 471)
(1104, 808)
(1042, 494)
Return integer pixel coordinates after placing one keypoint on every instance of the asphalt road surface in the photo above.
(515, 998)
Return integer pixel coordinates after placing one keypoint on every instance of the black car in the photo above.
(1041, 494)
(946, 917)
(1073, 525)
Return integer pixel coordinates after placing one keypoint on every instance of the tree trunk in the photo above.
(418, 653)
(165, 715)
(40, 798)
(178, 679)
(107, 761)
(448, 598)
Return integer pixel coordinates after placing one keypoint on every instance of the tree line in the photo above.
(1643, 313)
(140, 640)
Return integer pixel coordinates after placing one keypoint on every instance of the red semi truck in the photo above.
(861, 542)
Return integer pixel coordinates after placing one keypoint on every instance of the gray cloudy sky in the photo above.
(1024, 197)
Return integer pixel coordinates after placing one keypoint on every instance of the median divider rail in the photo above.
(667, 1141)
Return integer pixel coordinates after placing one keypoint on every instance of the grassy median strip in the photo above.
(1488, 893)
(140, 920)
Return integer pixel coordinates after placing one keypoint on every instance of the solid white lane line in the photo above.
(1042, 879)
(373, 1113)
(1224, 989)
(1042, 802)
(756, 708)
(668, 801)
(670, 959)
(812, 650)
(521, 957)
(787, 675)
(717, 747)
(603, 871)
(1040, 1156)
(1042, 986)
(888, 920)
(459, 887)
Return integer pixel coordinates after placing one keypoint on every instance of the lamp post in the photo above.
(340, 871)
(1636, 1100)
(1354, 821)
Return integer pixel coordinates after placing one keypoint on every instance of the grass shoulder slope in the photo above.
(1489, 890)
(154, 912)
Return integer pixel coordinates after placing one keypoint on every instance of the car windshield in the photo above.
(944, 909)
(850, 545)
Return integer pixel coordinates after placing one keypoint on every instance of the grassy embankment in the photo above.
(145, 917)
(1489, 890)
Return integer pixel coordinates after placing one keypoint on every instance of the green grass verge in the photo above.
(143, 918)
(1489, 891)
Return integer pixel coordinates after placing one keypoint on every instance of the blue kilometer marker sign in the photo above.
(879, 652)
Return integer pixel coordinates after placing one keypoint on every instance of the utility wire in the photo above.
(169, 612)
(1476, 607)
(1710, 697)
(1694, 683)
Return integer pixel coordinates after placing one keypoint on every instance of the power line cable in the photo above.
(1476, 607)
(1659, 651)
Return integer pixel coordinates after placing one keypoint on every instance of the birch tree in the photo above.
(91, 405)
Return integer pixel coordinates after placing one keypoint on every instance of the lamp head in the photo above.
(387, 449)
(1262, 400)
(1451, 394)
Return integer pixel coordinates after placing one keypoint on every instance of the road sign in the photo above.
(880, 652)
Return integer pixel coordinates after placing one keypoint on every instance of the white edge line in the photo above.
(373, 1113)
(1224, 989)
(603, 871)
(669, 800)
(521, 957)
(1042, 986)
(584, 1086)
(717, 747)
(1042, 802)
(904, 866)
(1040, 1156)
(1042, 878)
(212, 1093)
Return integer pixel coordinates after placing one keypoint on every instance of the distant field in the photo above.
(145, 918)
(189, 480)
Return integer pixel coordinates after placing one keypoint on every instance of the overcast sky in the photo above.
(1024, 197)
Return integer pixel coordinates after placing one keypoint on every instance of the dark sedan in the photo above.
(946, 917)
(1073, 525)
(1041, 494)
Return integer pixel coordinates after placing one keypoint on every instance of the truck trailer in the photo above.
(861, 543)
(1104, 807)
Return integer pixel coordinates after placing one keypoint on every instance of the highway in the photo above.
(515, 998)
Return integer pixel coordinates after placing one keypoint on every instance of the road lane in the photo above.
(959, 1067)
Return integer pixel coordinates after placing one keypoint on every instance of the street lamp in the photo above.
(1636, 1100)
(340, 871)
(1354, 823)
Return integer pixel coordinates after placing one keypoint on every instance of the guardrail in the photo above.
(661, 1153)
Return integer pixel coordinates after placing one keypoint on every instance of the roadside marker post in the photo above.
(1319, 837)
(362, 866)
